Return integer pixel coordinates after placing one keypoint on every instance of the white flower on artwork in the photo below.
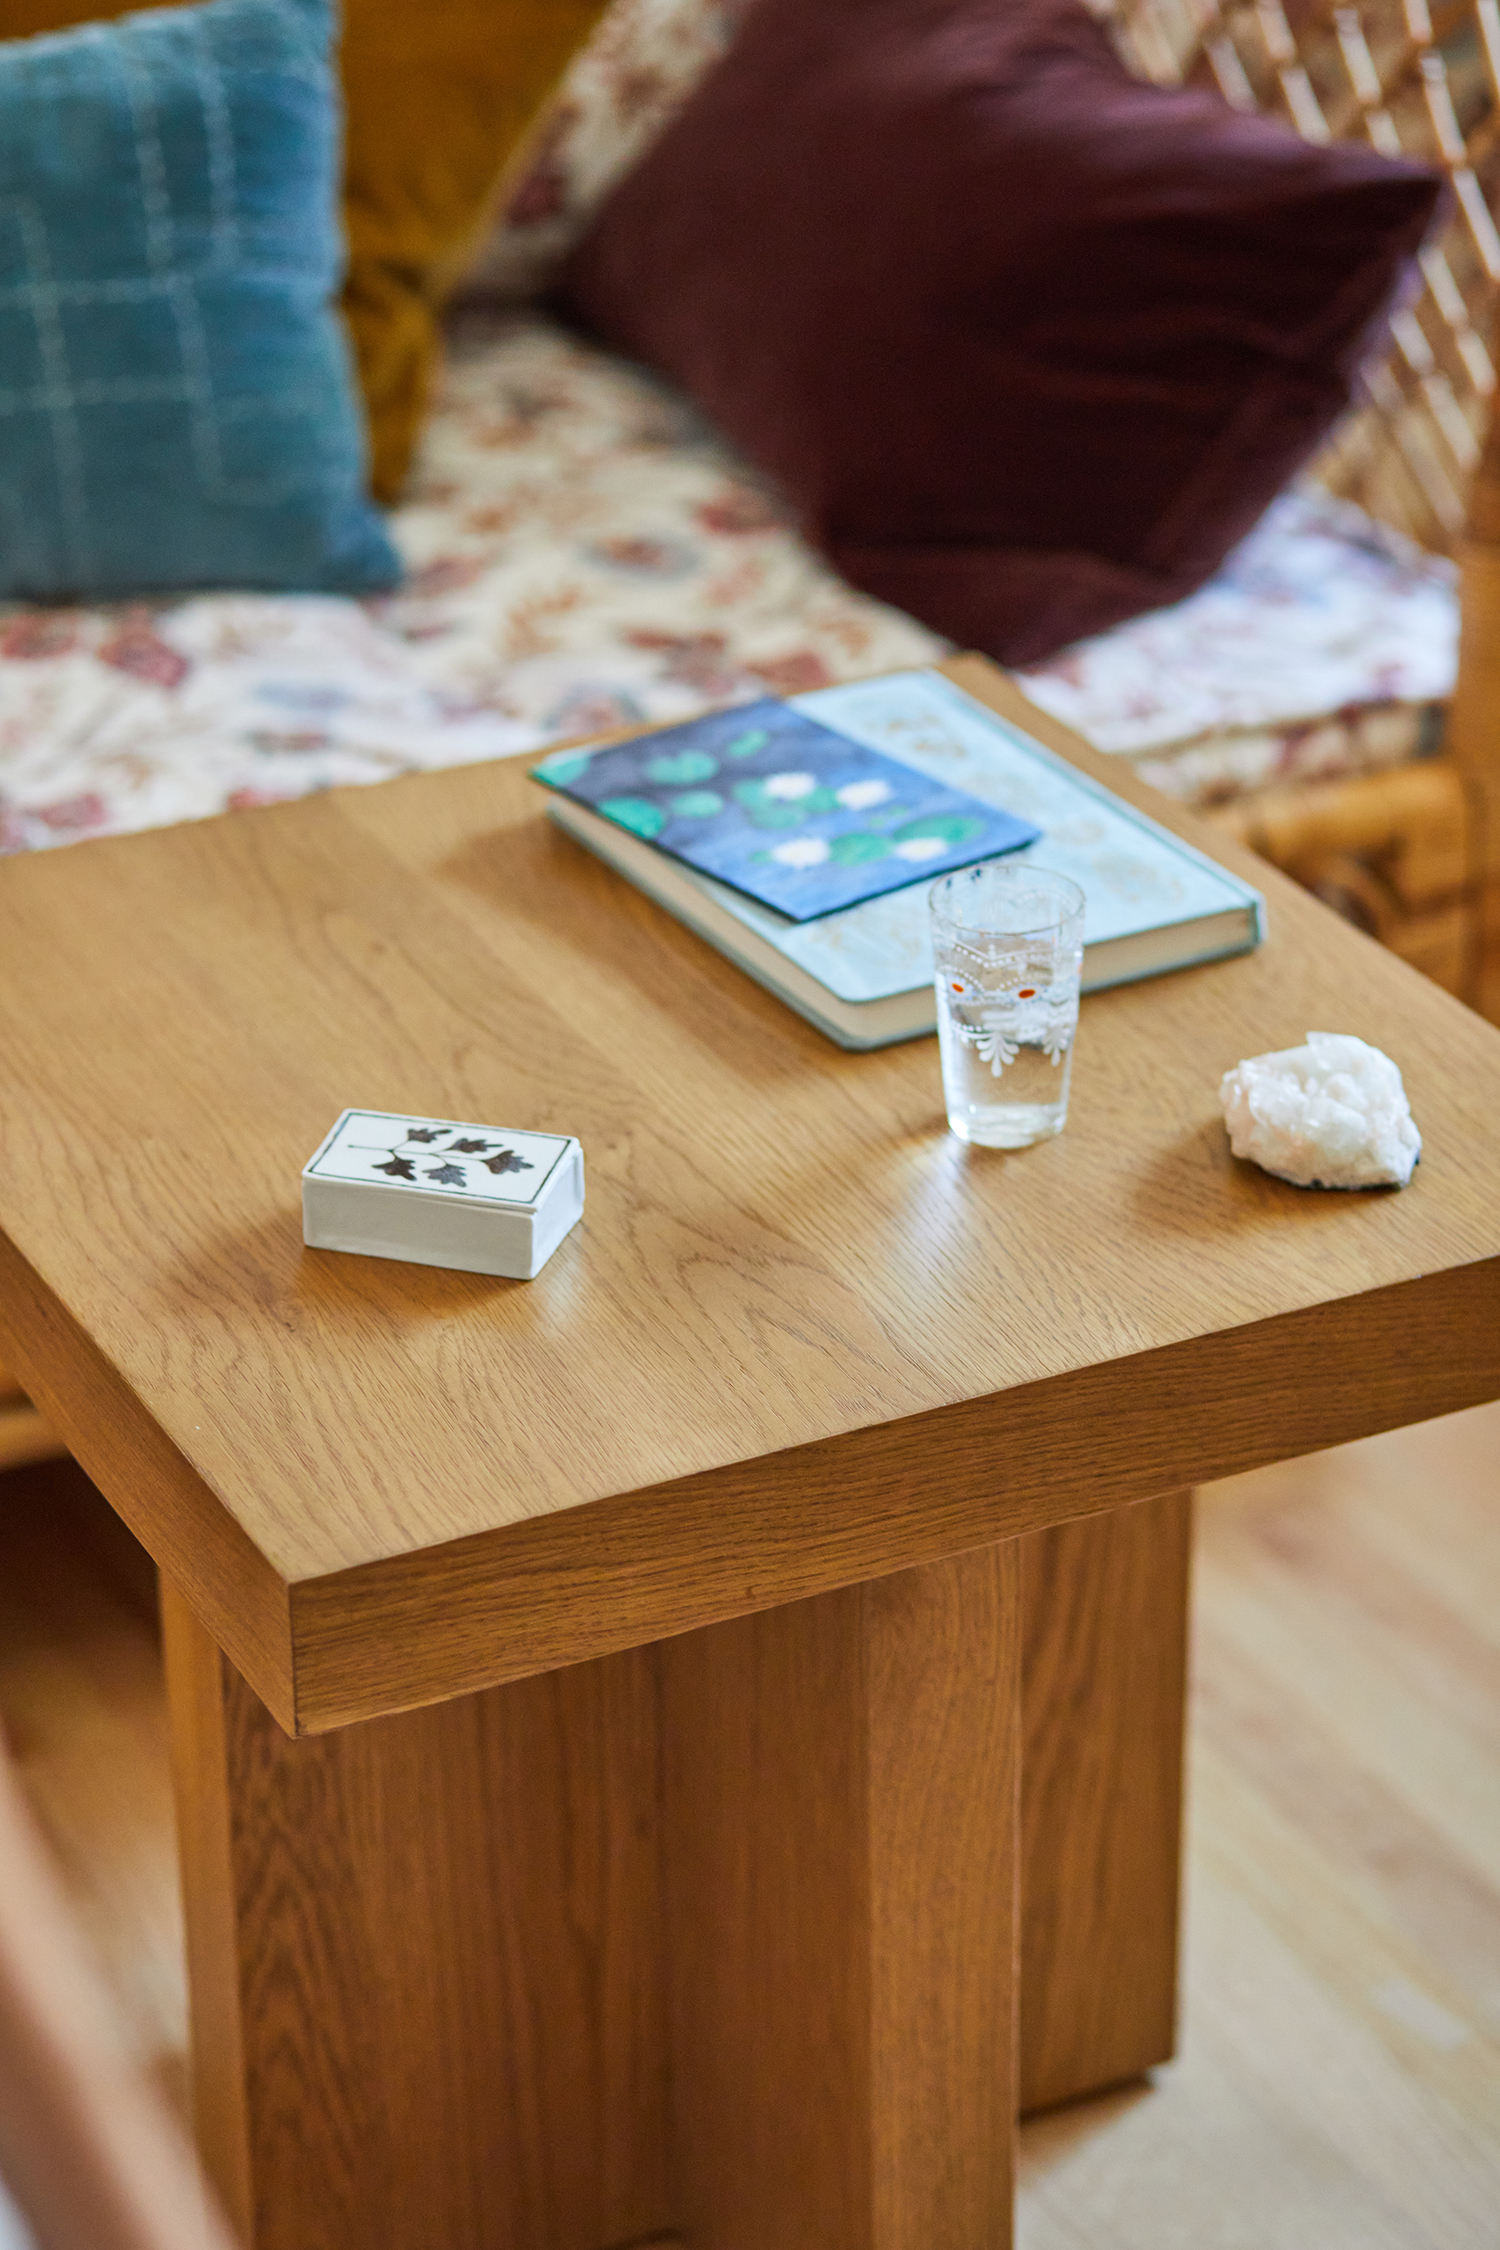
(993, 1043)
(801, 851)
(790, 786)
(921, 847)
(861, 796)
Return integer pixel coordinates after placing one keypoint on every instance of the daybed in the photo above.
(582, 550)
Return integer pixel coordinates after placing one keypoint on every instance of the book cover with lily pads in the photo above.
(784, 809)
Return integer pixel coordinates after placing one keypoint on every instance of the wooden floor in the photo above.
(1338, 2086)
(1339, 2083)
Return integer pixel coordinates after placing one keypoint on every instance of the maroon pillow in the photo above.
(1029, 344)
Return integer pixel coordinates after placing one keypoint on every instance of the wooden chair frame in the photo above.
(1410, 854)
(1413, 79)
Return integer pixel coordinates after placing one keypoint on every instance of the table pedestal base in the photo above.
(424, 1962)
(843, 1863)
(716, 1938)
(1103, 1689)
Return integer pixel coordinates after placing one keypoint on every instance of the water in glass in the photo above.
(1007, 947)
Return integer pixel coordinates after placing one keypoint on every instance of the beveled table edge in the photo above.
(645, 1566)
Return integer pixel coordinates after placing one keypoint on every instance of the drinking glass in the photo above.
(1007, 944)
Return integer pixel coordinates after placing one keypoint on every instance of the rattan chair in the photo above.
(1402, 853)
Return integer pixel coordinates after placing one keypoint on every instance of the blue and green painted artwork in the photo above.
(784, 809)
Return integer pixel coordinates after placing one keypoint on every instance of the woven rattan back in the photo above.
(1413, 78)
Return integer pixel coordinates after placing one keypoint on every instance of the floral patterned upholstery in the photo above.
(1325, 645)
(584, 553)
(581, 553)
(642, 61)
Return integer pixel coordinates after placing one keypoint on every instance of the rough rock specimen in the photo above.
(1332, 1114)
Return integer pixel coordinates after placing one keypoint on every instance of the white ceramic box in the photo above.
(480, 1198)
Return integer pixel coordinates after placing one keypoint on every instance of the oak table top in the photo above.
(802, 1337)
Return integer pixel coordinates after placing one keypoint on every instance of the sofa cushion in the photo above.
(439, 94)
(176, 401)
(1028, 343)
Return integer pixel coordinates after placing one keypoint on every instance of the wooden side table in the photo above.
(616, 1715)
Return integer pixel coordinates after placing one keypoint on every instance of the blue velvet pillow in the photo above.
(177, 406)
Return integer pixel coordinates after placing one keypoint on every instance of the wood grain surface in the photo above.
(801, 1336)
(1103, 1694)
(202, 1784)
(842, 1828)
(153, 1487)
(425, 1966)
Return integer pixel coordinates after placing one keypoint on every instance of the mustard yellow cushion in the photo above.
(438, 94)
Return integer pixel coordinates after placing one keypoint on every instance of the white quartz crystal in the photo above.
(1332, 1114)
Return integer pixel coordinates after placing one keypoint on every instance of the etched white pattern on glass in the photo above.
(1007, 1002)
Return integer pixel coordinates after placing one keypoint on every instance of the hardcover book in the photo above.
(863, 975)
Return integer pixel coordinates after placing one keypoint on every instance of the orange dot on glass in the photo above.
(958, 988)
(1027, 992)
